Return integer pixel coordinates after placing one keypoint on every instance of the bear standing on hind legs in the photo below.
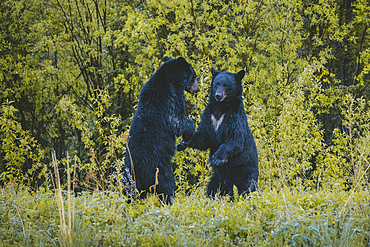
(224, 130)
(158, 120)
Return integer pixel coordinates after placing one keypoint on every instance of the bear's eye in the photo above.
(226, 85)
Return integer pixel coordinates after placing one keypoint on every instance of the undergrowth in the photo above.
(289, 217)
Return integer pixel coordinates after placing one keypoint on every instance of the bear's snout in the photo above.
(220, 94)
(194, 88)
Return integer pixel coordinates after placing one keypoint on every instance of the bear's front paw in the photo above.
(191, 125)
(217, 161)
(187, 136)
(182, 146)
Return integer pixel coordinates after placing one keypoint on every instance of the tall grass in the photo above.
(289, 217)
(69, 233)
(65, 227)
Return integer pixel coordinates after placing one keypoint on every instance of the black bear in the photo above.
(158, 120)
(224, 130)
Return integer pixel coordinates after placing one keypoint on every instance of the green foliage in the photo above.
(74, 70)
(346, 161)
(71, 73)
(17, 148)
(361, 41)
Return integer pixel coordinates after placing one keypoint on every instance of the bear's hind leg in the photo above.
(244, 186)
(166, 184)
(214, 186)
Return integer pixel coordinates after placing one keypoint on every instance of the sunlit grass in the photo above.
(266, 218)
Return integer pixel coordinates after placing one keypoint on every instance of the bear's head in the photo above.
(186, 71)
(226, 86)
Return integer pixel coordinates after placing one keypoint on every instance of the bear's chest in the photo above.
(220, 128)
(217, 121)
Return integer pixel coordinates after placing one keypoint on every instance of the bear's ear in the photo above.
(166, 59)
(214, 72)
(181, 61)
(239, 76)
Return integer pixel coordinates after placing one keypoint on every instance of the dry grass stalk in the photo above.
(65, 229)
(354, 189)
(132, 163)
(154, 186)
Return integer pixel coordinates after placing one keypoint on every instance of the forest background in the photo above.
(72, 70)
(71, 73)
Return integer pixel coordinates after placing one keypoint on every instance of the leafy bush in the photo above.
(19, 150)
